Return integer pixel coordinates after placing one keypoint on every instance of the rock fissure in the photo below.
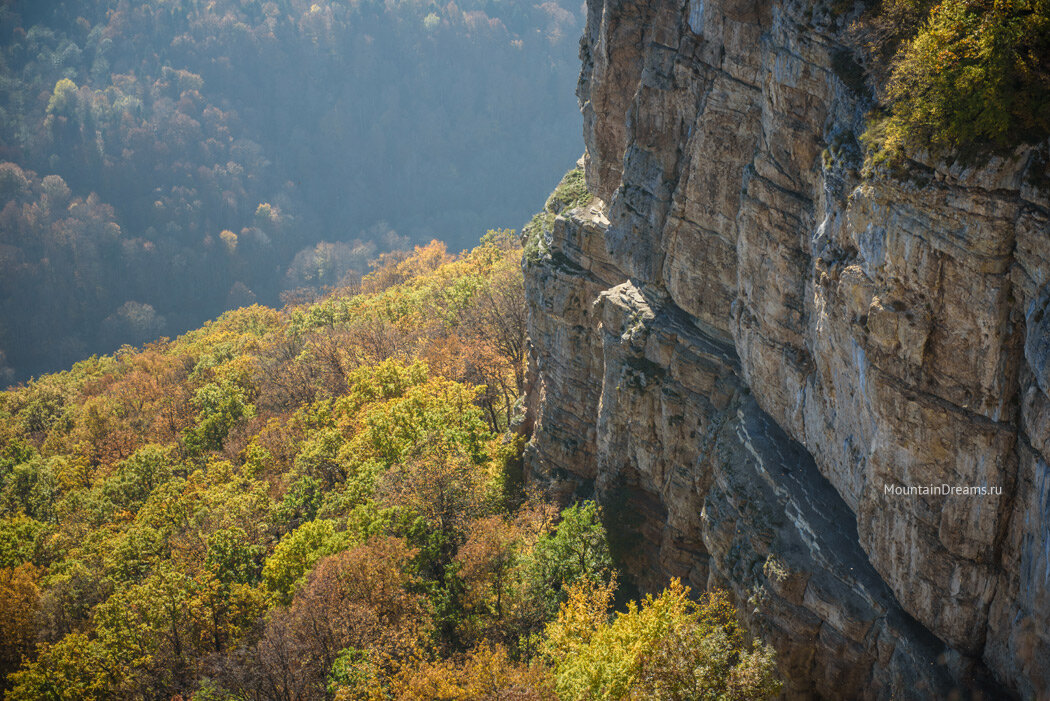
(909, 391)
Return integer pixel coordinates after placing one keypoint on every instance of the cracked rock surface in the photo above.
(741, 344)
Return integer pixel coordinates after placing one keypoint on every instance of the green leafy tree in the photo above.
(221, 406)
(577, 550)
(20, 540)
(73, 669)
(232, 558)
(137, 477)
(300, 503)
(297, 553)
(29, 488)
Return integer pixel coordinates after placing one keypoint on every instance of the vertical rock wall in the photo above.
(741, 344)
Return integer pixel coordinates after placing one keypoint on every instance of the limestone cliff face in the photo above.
(741, 344)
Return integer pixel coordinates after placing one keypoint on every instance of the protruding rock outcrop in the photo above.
(762, 361)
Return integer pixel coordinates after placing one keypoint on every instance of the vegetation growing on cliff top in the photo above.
(959, 76)
(570, 193)
(324, 502)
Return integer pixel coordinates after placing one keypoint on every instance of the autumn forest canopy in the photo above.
(327, 502)
(163, 161)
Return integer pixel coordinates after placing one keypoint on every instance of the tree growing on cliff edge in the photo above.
(960, 76)
(977, 72)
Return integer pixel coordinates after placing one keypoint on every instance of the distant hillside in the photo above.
(163, 161)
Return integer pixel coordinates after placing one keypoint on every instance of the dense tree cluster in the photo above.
(977, 73)
(325, 503)
(189, 157)
(957, 77)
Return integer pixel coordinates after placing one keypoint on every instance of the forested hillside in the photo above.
(165, 160)
(325, 503)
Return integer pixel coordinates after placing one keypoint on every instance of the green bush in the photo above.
(570, 193)
(296, 554)
(976, 75)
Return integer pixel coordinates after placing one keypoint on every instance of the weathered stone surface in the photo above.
(742, 343)
(565, 356)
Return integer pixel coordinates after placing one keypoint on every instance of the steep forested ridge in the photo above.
(162, 161)
(325, 502)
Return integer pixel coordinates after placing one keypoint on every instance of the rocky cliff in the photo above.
(759, 359)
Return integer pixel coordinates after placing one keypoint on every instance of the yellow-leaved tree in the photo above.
(669, 648)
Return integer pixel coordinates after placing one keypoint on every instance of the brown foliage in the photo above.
(397, 267)
(444, 488)
(356, 599)
(19, 602)
(487, 673)
(498, 600)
